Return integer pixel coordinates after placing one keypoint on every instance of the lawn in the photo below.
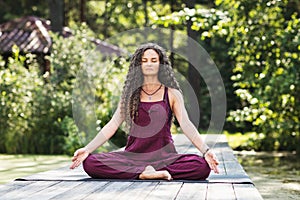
(18, 166)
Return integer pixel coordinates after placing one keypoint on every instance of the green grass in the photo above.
(18, 166)
(237, 140)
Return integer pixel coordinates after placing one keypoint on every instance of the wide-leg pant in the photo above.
(114, 165)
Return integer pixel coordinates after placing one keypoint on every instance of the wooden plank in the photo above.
(6, 188)
(82, 190)
(246, 191)
(112, 191)
(181, 142)
(216, 141)
(52, 191)
(230, 169)
(138, 190)
(220, 191)
(221, 144)
(229, 179)
(63, 183)
(234, 168)
(165, 190)
(192, 191)
(228, 154)
(28, 190)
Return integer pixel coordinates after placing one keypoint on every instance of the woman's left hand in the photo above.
(212, 161)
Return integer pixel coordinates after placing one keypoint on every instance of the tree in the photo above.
(18, 8)
(266, 70)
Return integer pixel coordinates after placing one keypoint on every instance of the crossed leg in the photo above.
(151, 173)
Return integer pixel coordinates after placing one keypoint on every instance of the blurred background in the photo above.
(255, 45)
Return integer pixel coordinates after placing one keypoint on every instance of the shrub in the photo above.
(36, 109)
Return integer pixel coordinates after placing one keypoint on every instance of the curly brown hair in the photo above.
(130, 98)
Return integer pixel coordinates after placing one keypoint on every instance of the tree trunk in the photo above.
(82, 10)
(194, 77)
(105, 16)
(172, 36)
(56, 15)
(146, 12)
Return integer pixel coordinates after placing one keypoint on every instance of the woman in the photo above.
(150, 97)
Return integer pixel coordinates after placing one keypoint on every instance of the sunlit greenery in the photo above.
(258, 43)
(255, 45)
(36, 109)
(266, 72)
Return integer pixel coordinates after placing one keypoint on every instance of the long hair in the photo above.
(130, 98)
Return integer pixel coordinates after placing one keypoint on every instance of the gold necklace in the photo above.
(151, 94)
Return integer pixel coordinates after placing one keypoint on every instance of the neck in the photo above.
(151, 81)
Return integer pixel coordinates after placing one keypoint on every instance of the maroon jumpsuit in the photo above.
(149, 143)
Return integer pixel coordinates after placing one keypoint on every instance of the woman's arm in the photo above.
(188, 128)
(104, 134)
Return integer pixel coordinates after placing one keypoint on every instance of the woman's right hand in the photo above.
(79, 156)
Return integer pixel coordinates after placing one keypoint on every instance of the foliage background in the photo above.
(255, 45)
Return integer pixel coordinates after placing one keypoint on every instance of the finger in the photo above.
(216, 159)
(210, 166)
(76, 153)
(74, 158)
(216, 162)
(72, 166)
(213, 167)
(77, 162)
(216, 170)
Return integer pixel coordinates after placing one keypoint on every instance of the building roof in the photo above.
(31, 34)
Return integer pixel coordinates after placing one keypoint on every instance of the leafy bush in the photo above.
(266, 42)
(19, 87)
(205, 22)
(256, 45)
(36, 109)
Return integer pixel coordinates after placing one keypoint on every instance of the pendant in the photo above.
(149, 97)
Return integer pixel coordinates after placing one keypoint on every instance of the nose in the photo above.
(148, 63)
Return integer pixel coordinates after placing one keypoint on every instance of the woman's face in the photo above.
(150, 63)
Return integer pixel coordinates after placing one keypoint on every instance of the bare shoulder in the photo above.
(174, 92)
(174, 96)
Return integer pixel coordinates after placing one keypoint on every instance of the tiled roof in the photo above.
(31, 34)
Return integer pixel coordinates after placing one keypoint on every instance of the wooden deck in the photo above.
(231, 183)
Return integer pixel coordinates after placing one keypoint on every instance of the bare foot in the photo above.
(151, 173)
